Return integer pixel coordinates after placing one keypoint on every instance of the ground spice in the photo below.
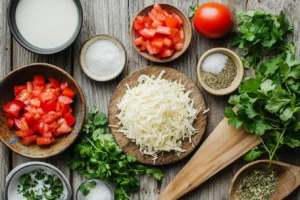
(223, 79)
(258, 185)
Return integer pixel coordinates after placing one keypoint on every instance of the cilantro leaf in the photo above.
(252, 155)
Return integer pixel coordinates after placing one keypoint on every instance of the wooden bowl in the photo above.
(21, 76)
(237, 80)
(130, 148)
(186, 28)
(288, 177)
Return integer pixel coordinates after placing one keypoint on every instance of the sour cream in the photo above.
(47, 24)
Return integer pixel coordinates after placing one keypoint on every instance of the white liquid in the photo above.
(47, 23)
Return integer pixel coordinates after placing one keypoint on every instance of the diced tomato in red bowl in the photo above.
(42, 110)
(160, 32)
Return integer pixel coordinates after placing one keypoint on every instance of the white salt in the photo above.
(104, 59)
(214, 63)
(100, 192)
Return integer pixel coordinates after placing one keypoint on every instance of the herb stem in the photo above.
(276, 147)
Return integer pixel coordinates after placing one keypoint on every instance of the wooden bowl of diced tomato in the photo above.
(160, 32)
(42, 110)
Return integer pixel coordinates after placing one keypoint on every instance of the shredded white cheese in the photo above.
(157, 115)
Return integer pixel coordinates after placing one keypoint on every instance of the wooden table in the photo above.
(114, 17)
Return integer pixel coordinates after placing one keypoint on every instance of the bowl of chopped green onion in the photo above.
(37, 180)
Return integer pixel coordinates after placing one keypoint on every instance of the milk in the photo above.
(47, 23)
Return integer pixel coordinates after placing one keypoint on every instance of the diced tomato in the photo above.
(23, 96)
(10, 122)
(22, 124)
(44, 141)
(65, 108)
(35, 102)
(19, 88)
(37, 91)
(151, 49)
(55, 83)
(166, 53)
(138, 41)
(167, 42)
(29, 140)
(63, 85)
(29, 86)
(54, 125)
(28, 117)
(13, 107)
(21, 133)
(181, 34)
(63, 129)
(176, 39)
(174, 32)
(47, 134)
(151, 16)
(171, 22)
(65, 100)
(69, 92)
(138, 25)
(163, 30)
(157, 7)
(70, 119)
(39, 80)
(180, 21)
(156, 23)
(147, 33)
(158, 42)
(49, 106)
(47, 96)
(178, 46)
(50, 117)
(166, 12)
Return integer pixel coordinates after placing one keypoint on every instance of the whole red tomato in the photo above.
(213, 20)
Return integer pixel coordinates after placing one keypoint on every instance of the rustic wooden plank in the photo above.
(5, 67)
(101, 17)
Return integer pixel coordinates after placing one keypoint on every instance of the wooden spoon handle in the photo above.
(223, 146)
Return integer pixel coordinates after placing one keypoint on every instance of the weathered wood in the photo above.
(130, 148)
(5, 67)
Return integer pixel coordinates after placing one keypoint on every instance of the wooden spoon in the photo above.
(289, 178)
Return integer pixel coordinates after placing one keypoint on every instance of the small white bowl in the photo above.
(14, 176)
(80, 196)
(88, 43)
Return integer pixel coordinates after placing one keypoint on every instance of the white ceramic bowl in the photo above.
(13, 177)
(80, 196)
(85, 47)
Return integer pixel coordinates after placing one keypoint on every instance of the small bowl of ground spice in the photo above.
(220, 71)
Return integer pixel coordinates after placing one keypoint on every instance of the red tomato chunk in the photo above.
(41, 111)
(159, 33)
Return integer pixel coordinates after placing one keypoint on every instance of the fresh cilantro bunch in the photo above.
(260, 33)
(98, 156)
(269, 104)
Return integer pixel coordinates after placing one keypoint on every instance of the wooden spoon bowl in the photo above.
(19, 77)
(187, 29)
(289, 178)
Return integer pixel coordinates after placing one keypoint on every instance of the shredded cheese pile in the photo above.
(157, 115)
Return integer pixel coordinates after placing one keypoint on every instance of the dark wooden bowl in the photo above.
(21, 76)
(187, 29)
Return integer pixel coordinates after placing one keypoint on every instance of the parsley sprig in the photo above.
(98, 156)
(51, 186)
(261, 34)
(269, 104)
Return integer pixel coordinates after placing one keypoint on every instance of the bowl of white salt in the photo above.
(102, 57)
(220, 71)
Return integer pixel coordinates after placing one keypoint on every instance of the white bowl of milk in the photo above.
(45, 26)
(100, 191)
(13, 180)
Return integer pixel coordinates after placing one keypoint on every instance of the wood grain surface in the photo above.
(130, 148)
(114, 17)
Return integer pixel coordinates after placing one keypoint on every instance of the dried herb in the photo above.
(258, 185)
(223, 79)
